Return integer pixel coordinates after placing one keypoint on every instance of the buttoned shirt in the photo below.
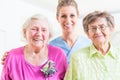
(89, 64)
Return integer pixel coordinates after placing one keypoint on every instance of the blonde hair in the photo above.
(62, 3)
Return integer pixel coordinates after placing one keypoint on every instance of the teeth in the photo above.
(38, 39)
(68, 25)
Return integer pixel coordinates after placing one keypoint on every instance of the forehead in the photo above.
(38, 23)
(68, 9)
(98, 21)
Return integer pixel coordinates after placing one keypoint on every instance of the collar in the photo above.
(95, 53)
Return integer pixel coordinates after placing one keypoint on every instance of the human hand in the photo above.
(4, 57)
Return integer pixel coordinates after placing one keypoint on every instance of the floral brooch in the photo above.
(49, 68)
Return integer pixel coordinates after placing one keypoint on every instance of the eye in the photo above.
(44, 29)
(63, 16)
(93, 28)
(72, 15)
(33, 29)
(102, 27)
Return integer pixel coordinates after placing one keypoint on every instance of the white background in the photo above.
(13, 13)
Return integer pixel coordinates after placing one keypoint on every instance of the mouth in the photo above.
(99, 37)
(37, 39)
(67, 26)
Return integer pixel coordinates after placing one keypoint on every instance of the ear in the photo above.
(24, 33)
(57, 18)
(87, 35)
(50, 35)
(111, 30)
(78, 16)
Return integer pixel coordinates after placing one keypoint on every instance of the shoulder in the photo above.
(83, 52)
(14, 55)
(84, 39)
(55, 51)
(16, 50)
(56, 40)
(115, 50)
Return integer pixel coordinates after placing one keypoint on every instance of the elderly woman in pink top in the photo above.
(36, 60)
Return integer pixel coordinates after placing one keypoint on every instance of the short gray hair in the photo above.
(91, 17)
(38, 17)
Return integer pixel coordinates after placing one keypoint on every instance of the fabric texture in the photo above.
(90, 64)
(17, 68)
(80, 43)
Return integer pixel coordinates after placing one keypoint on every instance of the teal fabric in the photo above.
(80, 43)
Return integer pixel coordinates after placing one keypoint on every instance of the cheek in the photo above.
(61, 21)
(32, 33)
(29, 34)
(75, 20)
(108, 32)
(47, 36)
(90, 35)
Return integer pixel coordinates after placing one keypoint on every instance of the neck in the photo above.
(35, 56)
(103, 48)
(70, 39)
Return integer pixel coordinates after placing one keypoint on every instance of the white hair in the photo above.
(38, 17)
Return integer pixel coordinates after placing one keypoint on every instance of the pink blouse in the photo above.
(17, 68)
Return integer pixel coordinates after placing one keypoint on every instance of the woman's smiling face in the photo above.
(99, 31)
(37, 33)
(68, 18)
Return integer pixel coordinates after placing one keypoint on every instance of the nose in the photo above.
(39, 32)
(97, 30)
(68, 20)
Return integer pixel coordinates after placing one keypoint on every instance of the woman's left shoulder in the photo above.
(53, 50)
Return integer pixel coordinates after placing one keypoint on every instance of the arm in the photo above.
(4, 57)
(5, 70)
